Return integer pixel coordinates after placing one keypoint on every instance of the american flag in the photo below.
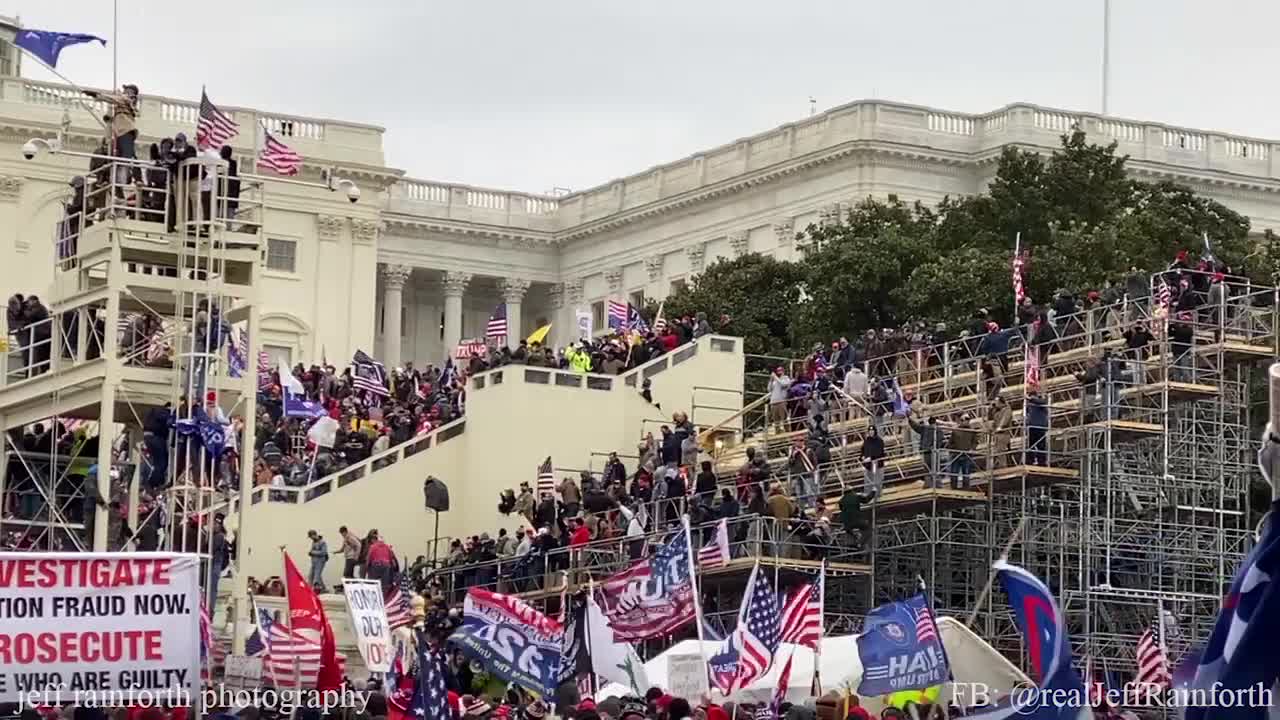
(758, 634)
(497, 327)
(774, 708)
(802, 615)
(212, 653)
(285, 649)
(430, 698)
(278, 157)
(1153, 666)
(213, 128)
(265, 381)
(715, 553)
(618, 314)
(1031, 366)
(546, 478)
(1019, 290)
(653, 597)
(926, 628)
(1164, 296)
(368, 374)
(399, 613)
(660, 324)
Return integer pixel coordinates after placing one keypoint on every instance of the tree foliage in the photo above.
(1083, 221)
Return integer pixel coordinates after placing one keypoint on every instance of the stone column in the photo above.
(513, 290)
(393, 280)
(455, 283)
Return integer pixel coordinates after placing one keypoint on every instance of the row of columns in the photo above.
(455, 286)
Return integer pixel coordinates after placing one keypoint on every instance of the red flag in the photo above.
(307, 618)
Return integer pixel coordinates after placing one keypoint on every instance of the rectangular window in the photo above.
(597, 315)
(637, 299)
(282, 255)
(677, 285)
(278, 355)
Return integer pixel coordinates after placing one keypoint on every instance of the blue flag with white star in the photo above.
(430, 698)
(47, 45)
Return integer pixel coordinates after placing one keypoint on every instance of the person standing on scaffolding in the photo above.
(124, 130)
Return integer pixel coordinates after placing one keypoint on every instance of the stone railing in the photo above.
(44, 104)
(471, 204)
(864, 121)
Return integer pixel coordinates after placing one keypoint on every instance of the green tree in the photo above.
(759, 295)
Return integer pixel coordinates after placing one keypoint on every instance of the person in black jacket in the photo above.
(705, 485)
(229, 189)
(872, 455)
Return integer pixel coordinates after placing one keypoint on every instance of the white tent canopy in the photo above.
(973, 663)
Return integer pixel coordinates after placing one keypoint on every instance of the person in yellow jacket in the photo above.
(927, 696)
(580, 360)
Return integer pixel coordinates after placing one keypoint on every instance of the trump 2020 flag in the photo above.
(510, 639)
(900, 648)
(47, 45)
(1241, 658)
(1061, 694)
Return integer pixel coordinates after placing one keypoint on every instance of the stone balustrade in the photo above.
(327, 140)
(869, 121)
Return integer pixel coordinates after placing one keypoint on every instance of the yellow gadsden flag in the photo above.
(539, 335)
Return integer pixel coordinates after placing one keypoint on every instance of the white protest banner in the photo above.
(369, 622)
(686, 676)
(101, 628)
(242, 671)
(583, 320)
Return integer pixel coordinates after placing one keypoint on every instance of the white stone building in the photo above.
(442, 256)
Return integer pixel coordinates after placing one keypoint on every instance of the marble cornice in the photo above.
(414, 226)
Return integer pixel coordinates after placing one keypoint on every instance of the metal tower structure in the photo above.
(147, 338)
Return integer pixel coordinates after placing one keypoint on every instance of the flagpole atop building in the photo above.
(1106, 54)
(115, 44)
(697, 603)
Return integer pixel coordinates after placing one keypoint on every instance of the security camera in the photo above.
(32, 147)
(353, 193)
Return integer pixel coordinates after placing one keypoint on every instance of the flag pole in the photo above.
(586, 624)
(697, 603)
(79, 90)
(991, 576)
(115, 44)
(822, 625)
(288, 614)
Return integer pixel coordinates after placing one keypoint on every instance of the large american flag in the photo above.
(653, 597)
(715, 553)
(1019, 290)
(497, 327)
(546, 477)
(617, 314)
(399, 612)
(758, 633)
(214, 128)
(212, 653)
(278, 157)
(289, 652)
(802, 615)
(1031, 361)
(1153, 666)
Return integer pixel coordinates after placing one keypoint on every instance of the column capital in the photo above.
(573, 291)
(328, 227)
(513, 289)
(697, 255)
(455, 283)
(11, 188)
(653, 266)
(738, 243)
(395, 276)
(365, 231)
(613, 279)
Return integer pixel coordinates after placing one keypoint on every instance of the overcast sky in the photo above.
(572, 93)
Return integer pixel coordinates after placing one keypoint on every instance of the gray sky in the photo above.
(573, 93)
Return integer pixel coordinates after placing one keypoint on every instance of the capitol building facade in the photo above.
(418, 265)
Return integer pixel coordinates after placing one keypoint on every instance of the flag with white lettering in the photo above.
(900, 648)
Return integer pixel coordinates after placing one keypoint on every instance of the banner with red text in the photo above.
(109, 628)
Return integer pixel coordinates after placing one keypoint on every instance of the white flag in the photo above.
(615, 661)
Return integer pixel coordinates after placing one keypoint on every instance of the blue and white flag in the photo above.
(635, 322)
(294, 397)
(1061, 694)
(210, 432)
(511, 640)
(47, 45)
(900, 648)
(1240, 659)
(236, 356)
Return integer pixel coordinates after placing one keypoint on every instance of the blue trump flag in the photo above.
(511, 640)
(1061, 694)
(47, 45)
(900, 648)
(211, 433)
(1240, 659)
